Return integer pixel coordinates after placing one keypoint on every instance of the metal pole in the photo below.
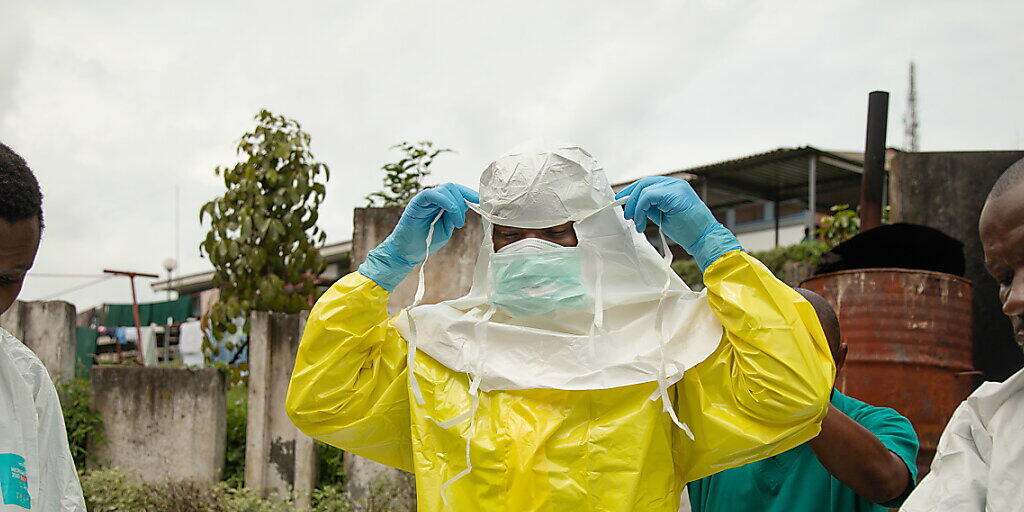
(138, 322)
(775, 213)
(167, 340)
(135, 306)
(812, 195)
(874, 161)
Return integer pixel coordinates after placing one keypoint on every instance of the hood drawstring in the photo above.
(659, 320)
(410, 363)
(474, 393)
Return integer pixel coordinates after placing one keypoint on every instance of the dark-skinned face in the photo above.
(19, 241)
(563, 235)
(1002, 238)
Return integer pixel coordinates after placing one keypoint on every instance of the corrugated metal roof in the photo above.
(775, 155)
(777, 175)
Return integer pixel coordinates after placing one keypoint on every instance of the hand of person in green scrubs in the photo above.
(858, 459)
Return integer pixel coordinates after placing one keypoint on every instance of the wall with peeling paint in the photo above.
(161, 424)
(946, 190)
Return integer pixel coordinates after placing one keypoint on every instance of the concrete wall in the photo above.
(161, 424)
(946, 190)
(48, 328)
(278, 457)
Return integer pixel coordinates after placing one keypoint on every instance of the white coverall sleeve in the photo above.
(59, 488)
(959, 472)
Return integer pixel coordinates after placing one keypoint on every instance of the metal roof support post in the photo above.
(704, 191)
(775, 207)
(812, 195)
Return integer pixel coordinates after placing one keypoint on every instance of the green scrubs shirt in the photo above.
(795, 481)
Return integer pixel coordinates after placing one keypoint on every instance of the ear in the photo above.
(841, 356)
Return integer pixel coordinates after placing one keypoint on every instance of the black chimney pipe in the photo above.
(874, 161)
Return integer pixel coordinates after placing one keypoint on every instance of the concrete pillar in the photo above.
(278, 457)
(364, 477)
(48, 329)
(161, 424)
(812, 195)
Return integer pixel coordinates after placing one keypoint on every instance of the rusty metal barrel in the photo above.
(909, 338)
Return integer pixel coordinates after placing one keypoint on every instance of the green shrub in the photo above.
(331, 471)
(111, 490)
(803, 252)
(844, 224)
(387, 495)
(237, 419)
(84, 424)
(839, 227)
(330, 499)
(775, 259)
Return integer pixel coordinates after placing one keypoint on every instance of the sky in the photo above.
(117, 105)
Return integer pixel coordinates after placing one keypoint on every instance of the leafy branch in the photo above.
(404, 179)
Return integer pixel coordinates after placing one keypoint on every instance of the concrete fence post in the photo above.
(278, 457)
(48, 329)
(161, 424)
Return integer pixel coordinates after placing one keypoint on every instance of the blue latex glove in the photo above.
(406, 246)
(673, 204)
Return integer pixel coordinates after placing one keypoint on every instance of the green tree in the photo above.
(263, 239)
(404, 178)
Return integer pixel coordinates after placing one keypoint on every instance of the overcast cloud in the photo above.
(114, 104)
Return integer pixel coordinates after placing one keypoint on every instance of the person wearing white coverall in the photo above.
(37, 472)
(579, 371)
(979, 461)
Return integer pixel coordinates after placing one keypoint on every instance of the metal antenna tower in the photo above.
(910, 116)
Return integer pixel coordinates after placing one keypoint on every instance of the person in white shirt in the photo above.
(979, 464)
(37, 472)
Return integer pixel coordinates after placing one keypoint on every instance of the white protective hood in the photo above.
(645, 325)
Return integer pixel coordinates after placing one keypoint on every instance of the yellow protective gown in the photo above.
(763, 391)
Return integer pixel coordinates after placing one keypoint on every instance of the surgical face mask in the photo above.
(529, 245)
(533, 277)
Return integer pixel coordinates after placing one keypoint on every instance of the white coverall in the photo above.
(36, 469)
(979, 464)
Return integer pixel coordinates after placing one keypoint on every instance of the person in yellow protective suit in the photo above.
(579, 372)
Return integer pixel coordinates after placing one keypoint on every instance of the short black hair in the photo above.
(20, 197)
(827, 317)
(1011, 177)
